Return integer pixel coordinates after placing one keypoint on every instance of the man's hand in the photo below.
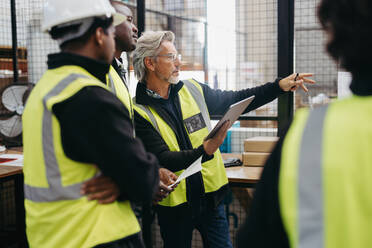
(211, 145)
(166, 178)
(295, 80)
(100, 188)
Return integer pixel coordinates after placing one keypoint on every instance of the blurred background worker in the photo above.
(74, 129)
(315, 187)
(172, 119)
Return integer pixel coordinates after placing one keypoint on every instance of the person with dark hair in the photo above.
(315, 187)
(126, 35)
(125, 41)
(75, 129)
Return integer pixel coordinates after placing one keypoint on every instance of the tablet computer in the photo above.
(232, 114)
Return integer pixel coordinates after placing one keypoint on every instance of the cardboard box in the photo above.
(255, 158)
(260, 144)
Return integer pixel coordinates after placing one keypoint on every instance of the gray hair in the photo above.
(148, 46)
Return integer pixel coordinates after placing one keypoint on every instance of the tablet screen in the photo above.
(232, 114)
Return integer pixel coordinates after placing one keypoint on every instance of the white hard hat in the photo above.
(58, 12)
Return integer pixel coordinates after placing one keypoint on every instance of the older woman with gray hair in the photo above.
(172, 119)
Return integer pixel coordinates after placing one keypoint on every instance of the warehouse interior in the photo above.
(229, 45)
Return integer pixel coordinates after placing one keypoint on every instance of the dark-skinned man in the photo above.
(126, 35)
(74, 129)
(102, 188)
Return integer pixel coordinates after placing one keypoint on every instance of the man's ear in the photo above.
(99, 35)
(149, 63)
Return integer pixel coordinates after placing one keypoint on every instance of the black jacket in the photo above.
(264, 225)
(217, 102)
(96, 128)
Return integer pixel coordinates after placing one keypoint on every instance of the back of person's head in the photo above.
(77, 35)
(148, 46)
(349, 26)
(73, 22)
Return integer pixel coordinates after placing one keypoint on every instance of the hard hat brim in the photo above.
(118, 18)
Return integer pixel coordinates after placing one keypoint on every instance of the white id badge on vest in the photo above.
(194, 123)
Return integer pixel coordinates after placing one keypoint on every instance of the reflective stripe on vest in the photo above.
(149, 113)
(198, 97)
(192, 103)
(111, 84)
(310, 187)
(119, 88)
(325, 172)
(56, 214)
(55, 191)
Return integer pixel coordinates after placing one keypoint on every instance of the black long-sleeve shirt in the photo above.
(96, 128)
(218, 101)
(264, 225)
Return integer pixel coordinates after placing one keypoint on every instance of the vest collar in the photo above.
(142, 97)
(97, 68)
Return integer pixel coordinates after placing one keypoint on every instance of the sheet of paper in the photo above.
(192, 169)
(11, 159)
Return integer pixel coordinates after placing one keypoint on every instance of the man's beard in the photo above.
(173, 79)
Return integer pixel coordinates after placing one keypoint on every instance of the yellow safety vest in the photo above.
(192, 103)
(56, 214)
(325, 177)
(117, 87)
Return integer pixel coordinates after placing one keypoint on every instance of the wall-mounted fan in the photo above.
(13, 99)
